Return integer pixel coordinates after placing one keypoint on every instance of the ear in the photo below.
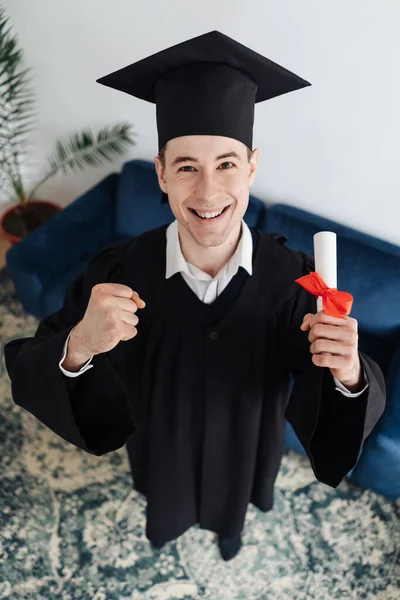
(161, 175)
(253, 166)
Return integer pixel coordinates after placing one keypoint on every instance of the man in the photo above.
(199, 391)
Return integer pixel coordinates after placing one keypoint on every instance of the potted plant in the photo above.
(16, 118)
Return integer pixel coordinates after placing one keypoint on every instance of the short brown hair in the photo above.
(161, 154)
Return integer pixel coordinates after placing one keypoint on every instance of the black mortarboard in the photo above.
(207, 85)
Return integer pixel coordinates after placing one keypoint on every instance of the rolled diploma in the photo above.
(325, 259)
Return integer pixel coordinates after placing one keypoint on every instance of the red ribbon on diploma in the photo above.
(334, 303)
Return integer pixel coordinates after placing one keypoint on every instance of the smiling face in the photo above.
(207, 179)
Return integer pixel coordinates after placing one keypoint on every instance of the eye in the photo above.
(222, 165)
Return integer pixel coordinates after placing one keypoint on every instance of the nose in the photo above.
(207, 189)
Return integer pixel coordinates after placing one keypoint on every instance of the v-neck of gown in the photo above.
(183, 301)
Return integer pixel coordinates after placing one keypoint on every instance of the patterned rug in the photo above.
(72, 527)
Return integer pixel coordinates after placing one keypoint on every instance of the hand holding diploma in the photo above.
(332, 333)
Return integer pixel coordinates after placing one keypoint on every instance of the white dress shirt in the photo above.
(205, 287)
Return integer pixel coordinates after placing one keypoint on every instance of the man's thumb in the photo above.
(136, 298)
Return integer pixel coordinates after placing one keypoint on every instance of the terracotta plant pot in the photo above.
(19, 221)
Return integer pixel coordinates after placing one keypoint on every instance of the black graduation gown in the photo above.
(201, 394)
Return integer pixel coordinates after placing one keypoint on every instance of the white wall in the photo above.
(332, 148)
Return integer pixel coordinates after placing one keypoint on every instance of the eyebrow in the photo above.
(181, 159)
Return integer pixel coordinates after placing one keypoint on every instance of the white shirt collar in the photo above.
(176, 263)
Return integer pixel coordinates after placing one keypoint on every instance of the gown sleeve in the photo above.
(331, 427)
(91, 411)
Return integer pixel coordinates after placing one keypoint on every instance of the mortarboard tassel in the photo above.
(335, 303)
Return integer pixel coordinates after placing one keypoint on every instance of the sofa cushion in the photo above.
(138, 203)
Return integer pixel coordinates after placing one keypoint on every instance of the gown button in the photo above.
(214, 335)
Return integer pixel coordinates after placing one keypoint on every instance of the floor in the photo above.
(73, 528)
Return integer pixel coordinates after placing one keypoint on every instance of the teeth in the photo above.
(209, 215)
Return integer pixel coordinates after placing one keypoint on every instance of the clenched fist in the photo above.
(109, 318)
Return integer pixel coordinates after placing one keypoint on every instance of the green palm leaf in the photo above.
(17, 118)
(84, 149)
(16, 114)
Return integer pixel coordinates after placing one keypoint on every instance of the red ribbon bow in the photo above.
(334, 303)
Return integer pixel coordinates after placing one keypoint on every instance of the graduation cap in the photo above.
(207, 85)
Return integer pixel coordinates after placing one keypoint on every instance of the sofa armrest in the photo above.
(75, 232)
(390, 420)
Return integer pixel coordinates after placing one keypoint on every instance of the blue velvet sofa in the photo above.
(126, 204)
